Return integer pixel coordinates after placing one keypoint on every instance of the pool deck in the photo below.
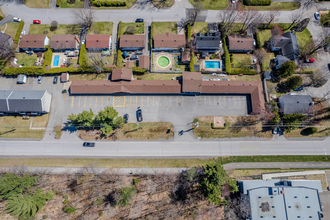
(60, 61)
(204, 69)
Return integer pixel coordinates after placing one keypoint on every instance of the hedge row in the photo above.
(118, 32)
(257, 2)
(109, 3)
(48, 57)
(83, 59)
(152, 33)
(227, 56)
(1, 18)
(258, 40)
(188, 32)
(29, 70)
(139, 70)
(192, 61)
(237, 71)
(58, 3)
(19, 31)
(62, 70)
(119, 59)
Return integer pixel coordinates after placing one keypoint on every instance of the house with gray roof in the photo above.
(6, 42)
(282, 199)
(290, 104)
(34, 102)
(287, 45)
(208, 42)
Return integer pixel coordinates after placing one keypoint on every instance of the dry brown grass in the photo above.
(40, 121)
(58, 131)
(88, 76)
(320, 177)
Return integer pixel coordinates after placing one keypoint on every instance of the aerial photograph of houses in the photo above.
(165, 109)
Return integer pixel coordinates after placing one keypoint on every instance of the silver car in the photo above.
(39, 79)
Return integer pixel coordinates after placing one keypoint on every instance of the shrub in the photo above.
(119, 31)
(294, 82)
(66, 201)
(139, 70)
(29, 70)
(69, 209)
(83, 59)
(65, 197)
(58, 3)
(44, 216)
(101, 214)
(192, 61)
(237, 71)
(48, 57)
(188, 32)
(287, 69)
(136, 181)
(1, 18)
(125, 194)
(119, 59)
(213, 56)
(227, 124)
(258, 40)
(227, 56)
(231, 57)
(257, 2)
(62, 70)
(195, 120)
(152, 32)
(109, 3)
(310, 130)
(18, 32)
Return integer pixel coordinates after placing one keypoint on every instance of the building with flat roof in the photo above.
(283, 199)
(25, 101)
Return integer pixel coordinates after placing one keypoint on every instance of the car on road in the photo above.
(126, 118)
(55, 80)
(139, 20)
(36, 22)
(299, 89)
(17, 19)
(139, 115)
(39, 79)
(89, 144)
(317, 16)
(310, 60)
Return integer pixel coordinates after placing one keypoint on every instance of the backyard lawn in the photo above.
(11, 28)
(37, 3)
(164, 27)
(129, 4)
(282, 6)
(243, 78)
(77, 4)
(266, 63)
(156, 76)
(304, 37)
(139, 28)
(200, 27)
(264, 35)
(16, 127)
(101, 28)
(61, 29)
(88, 76)
(28, 60)
(178, 66)
(241, 60)
(212, 5)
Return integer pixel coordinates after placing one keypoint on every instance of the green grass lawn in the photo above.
(16, 127)
(61, 29)
(28, 60)
(101, 28)
(88, 76)
(157, 76)
(77, 4)
(129, 4)
(282, 6)
(139, 28)
(243, 78)
(212, 5)
(265, 35)
(164, 27)
(1, 13)
(304, 37)
(182, 67)
(37, 3)
(11, 28)
(201, 27)
(240, 59)
(162, 3)
(266, 63)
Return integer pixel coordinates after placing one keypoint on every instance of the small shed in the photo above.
(185, 56)
(64, 77)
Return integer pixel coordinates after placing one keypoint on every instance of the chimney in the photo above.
(97, 40)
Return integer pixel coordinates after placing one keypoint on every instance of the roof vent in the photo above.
(137, 40)
(214, 84)
(125, 40)
(192, 78)
(229, 84)
(163, 40)
(67, 41)
(57, 41)
(86, 84)
(122, 73)
(250, 84)
(297, 101)
(164, 84)
(175, 40)
(97, 40)
(35, 41)
(23, 97)
(144, 84)
(104, 84)
(27, 41)
(243, 84)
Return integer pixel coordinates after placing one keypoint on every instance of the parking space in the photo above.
(10, 82)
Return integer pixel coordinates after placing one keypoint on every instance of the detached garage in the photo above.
(34, 102)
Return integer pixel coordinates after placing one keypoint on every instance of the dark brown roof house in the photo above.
(132, 41)
(63, 42)
(169, 40)
(144, 62)
(121, 74)
(192, 82)
(240, 43)
(32, 41)
(98, 41)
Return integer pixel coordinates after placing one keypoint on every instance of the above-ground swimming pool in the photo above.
(212, 64)
(163, 61)
(56, 59)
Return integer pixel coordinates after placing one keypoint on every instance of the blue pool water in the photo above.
(212, 64)
(56, 59)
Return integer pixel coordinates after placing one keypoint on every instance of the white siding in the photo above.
(46, 101)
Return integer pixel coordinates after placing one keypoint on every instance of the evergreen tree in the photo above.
(10, 184)
(294, 82)
(287, 69)
(85, 118)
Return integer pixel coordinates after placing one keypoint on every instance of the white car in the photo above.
(233, 1)
(17, 19)
(83, 42)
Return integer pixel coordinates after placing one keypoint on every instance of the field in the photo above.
(164, 27)
(11, 28)
(77, 4)
(101, 28)
(61, 29)
(241, 60)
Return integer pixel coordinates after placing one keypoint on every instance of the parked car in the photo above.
(126, 118)
(89, 144)
(309, 60)
(55, 80)
(224, 79)
(134, 57)
(326, 48)
(139, 115)
(139, 20)
(329, 66)
(299, 89)
(83, 42)
(39, 79)
(233, 1)
(36, 22)
(17, 19)
(317, 16)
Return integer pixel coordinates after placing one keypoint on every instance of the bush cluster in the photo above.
(109, 3)
(1, 18)
(311, 130)
(213, 56)
(29, 70)
(139, 70)
(120, 24)
(152, 33)
(48, 57)
(69, 209)
(192, 61)
(257, 2)
(258, 40)
(237, 71)
(58, 3)
(188, 32)
(83, 59)
(62, 70)
(227, 56)
(18, 32)
(119, 59)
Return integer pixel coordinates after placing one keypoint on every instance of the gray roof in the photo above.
(283, 199)
(288, 42)
(290, 104)
(22, 100)
(207, 41)
(281, 59)
(4, 38)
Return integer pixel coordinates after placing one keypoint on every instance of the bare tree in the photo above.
(96, 62)
(319, 78)
(193, 13)
(7, 49)
(276, 31)
(228, 17)
(261, 55)
(250, 17)
(53, 25)
(313, 47)
(271, 15)
(297, 16)
(84, 16)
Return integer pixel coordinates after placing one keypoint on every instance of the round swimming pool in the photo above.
(163, 61)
